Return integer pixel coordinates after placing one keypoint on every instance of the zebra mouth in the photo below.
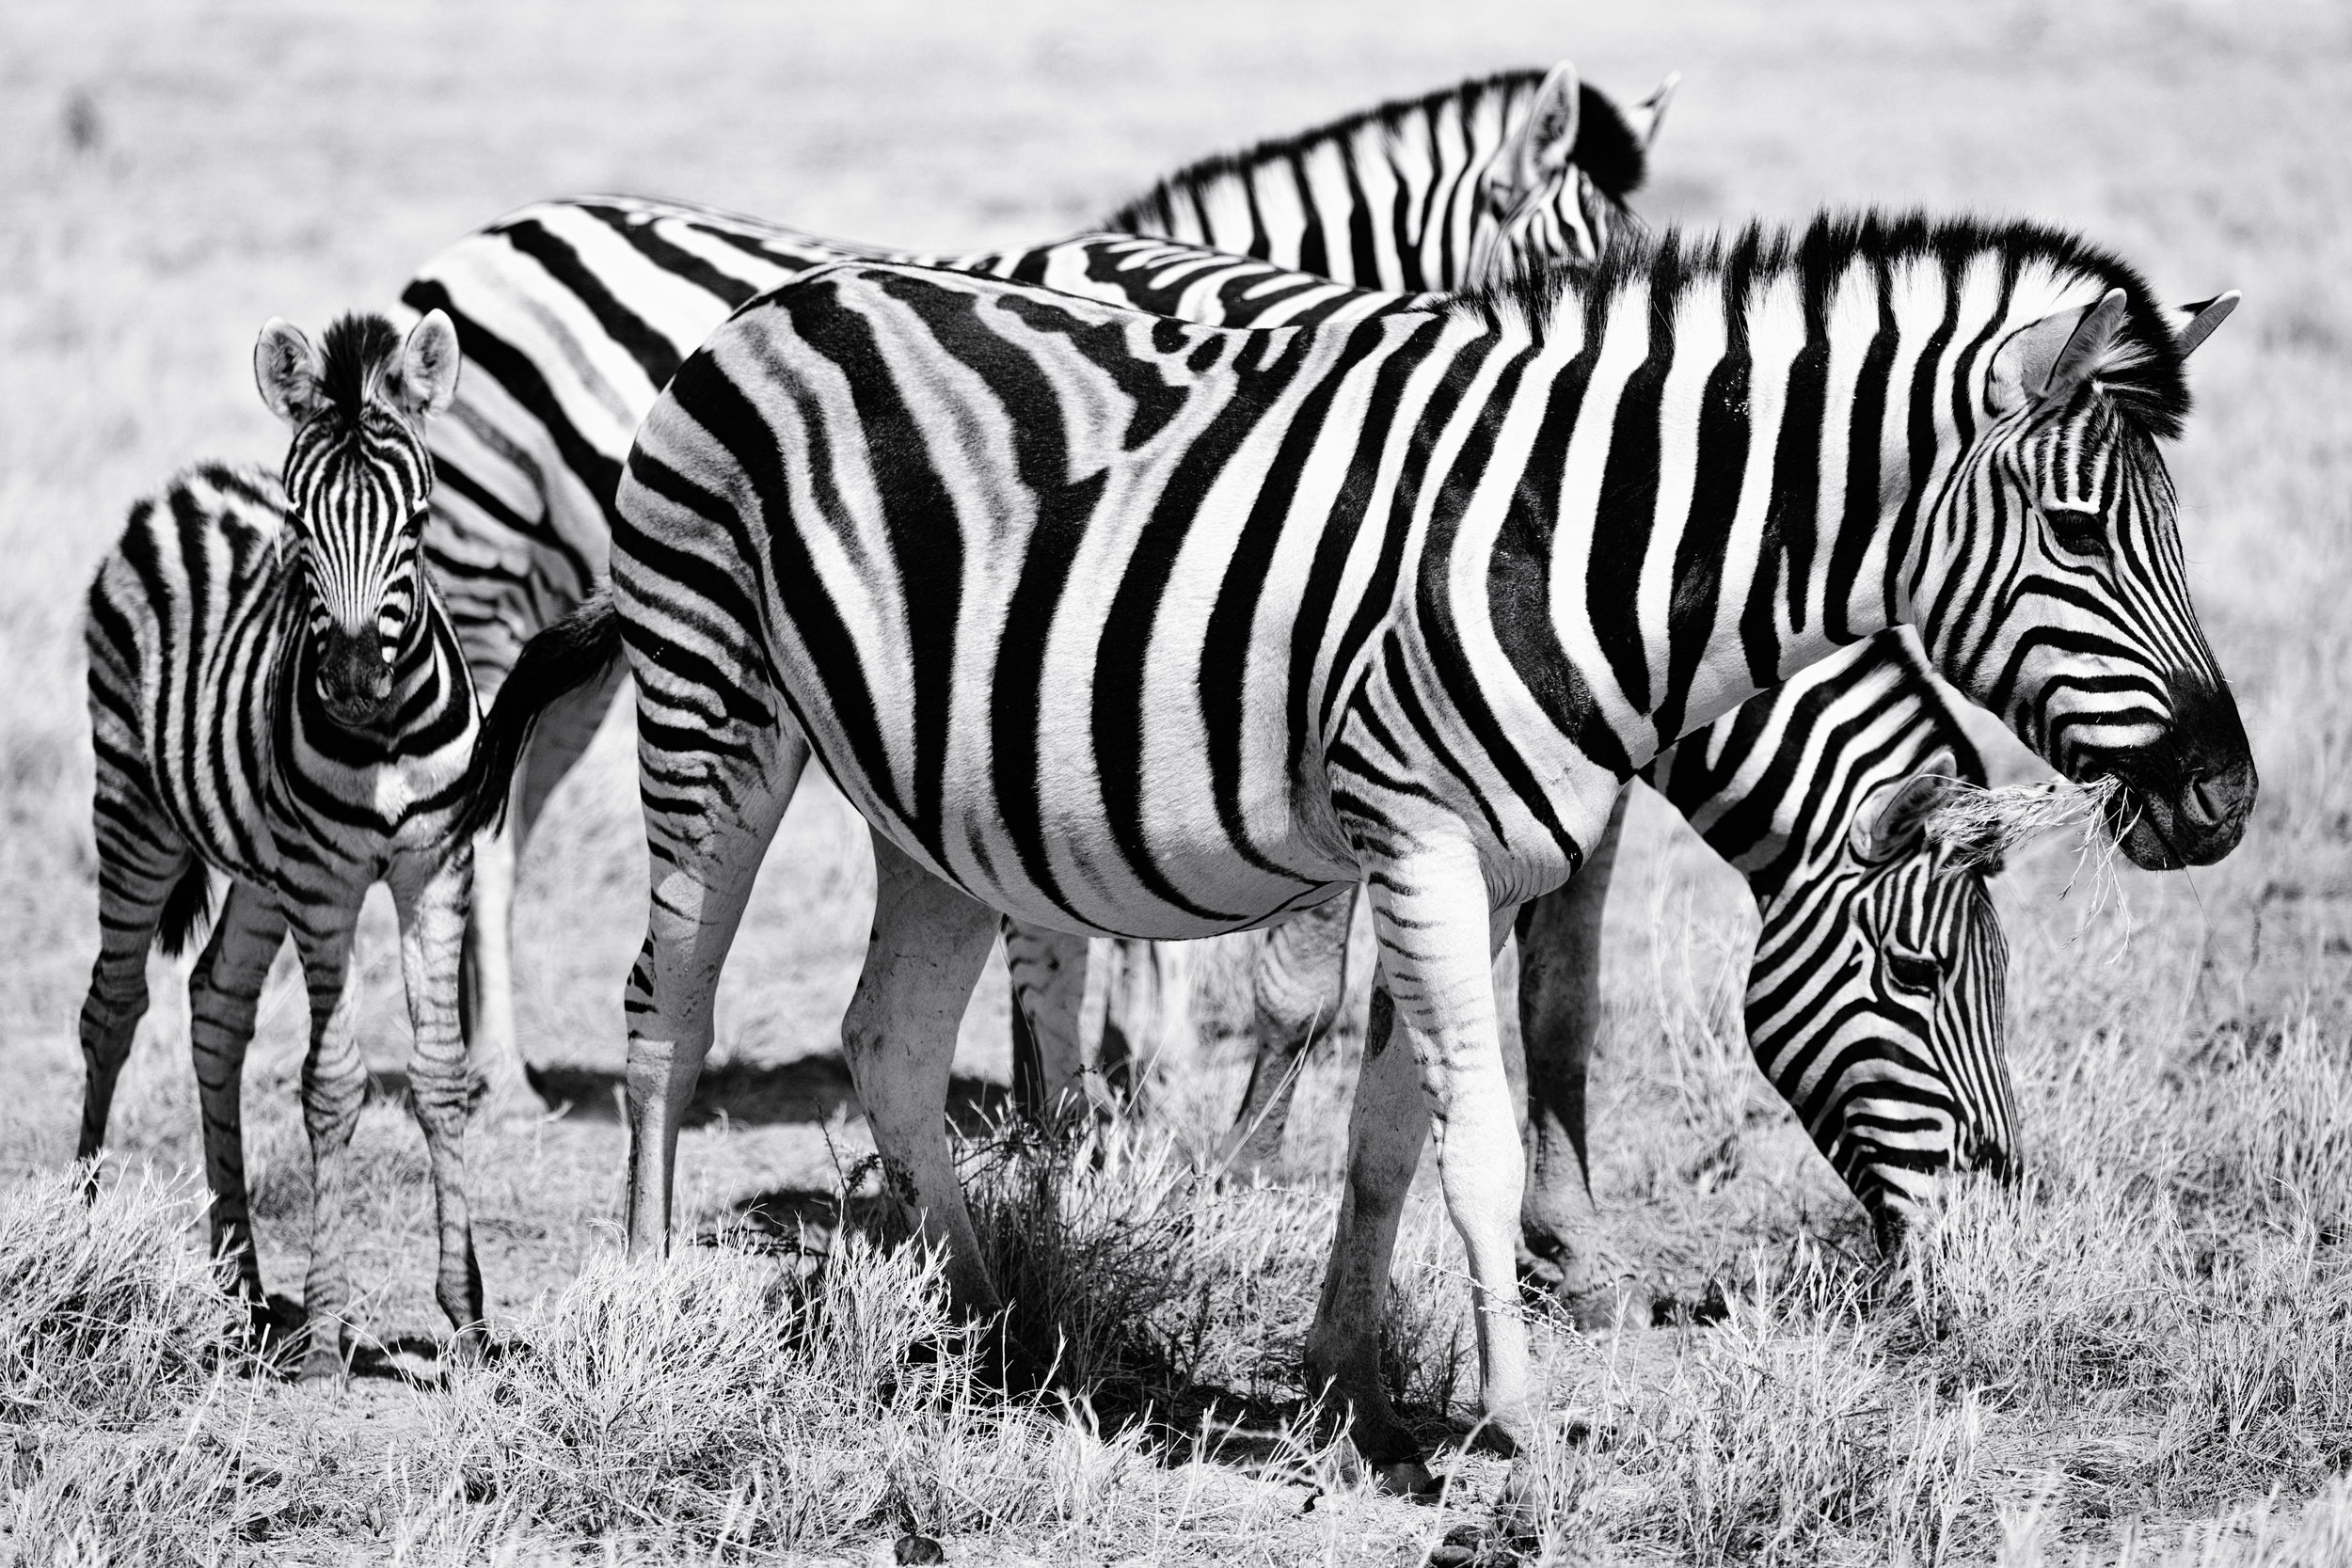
(2193, 821)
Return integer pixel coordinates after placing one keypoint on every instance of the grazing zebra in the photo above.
(1140, 628)
(275, 694)
(574, 314)
(1875, 995)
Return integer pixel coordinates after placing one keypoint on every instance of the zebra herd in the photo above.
(1365, 511)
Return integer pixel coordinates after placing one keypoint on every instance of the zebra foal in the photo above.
(1130, 626)
(276, 695)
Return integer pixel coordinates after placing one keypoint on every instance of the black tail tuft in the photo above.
(188, 906)
(563, 658)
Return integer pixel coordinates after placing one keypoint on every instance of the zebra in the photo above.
(1401, 602)
(1875, 997)
(573, 313)
(1950, 1082)
(276, 695)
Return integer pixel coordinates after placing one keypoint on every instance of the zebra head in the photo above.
(2054, 591)
(1875, 1004)
(358, 478)
(1555, 188)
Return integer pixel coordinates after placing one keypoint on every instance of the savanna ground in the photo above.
(2144, 1354)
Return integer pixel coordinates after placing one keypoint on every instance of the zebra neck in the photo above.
(1737, 460)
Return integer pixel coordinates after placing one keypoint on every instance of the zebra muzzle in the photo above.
(355, 679)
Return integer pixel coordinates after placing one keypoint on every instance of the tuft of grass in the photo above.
(719, 1402)
(110, 1313)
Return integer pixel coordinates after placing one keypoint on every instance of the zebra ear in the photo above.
(289, 371)
(1645, 117)
(1893, 818)
(2045, 361)
(2194, 323)
(1548, 141)
(425, 381)
(2049, 358)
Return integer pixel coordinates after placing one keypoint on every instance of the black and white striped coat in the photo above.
(1127, 625)
(575, 313)
(276, 696)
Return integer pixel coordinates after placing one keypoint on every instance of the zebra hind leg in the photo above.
(1300, 984)
(148, 882)
(1052, 1078)
(224, 995)
(928, 944)
(708, 820)
(1560, 1012)
(334, 1082)
(487, 998)
(429, 894)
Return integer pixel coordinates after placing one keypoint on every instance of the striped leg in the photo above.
(1048, 972)
(1428, 916)
(1560, 1009)
(706, 835)
(224, 993)
(334, 1082)
(431, 901)
(929, 943)
(564, 732)
(1300, 984)
(141, 862)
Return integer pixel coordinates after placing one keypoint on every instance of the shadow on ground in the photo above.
(812, 1089)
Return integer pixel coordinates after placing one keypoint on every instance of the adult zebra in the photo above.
(1401, 602)
(575, 313)
(275, 694)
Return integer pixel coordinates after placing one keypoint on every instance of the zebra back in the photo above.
(1417, 193)
(574, 314)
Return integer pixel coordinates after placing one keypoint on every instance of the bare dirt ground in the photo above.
(171, 176)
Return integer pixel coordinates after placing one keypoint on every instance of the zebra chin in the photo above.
(2186, 796)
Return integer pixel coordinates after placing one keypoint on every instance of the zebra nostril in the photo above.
(2208, 804)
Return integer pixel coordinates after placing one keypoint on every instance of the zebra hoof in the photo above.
(321, 1366)
(1404, 1478)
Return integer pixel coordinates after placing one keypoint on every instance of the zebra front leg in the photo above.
(1560, 1012)
(705, 839)
(1437, 936)
(1051, 1075)
(429, 894)
(1298, 985)
(224, 993)
(930, 942)
(334, 1082)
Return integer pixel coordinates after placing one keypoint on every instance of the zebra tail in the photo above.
(188, 906)
(562, 657)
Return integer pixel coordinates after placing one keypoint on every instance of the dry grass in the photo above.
(2133, 1358)
(108, 1316)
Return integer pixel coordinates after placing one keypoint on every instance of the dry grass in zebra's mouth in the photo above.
(1985, 826)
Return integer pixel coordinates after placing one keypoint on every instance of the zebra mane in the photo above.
(1606, 147)
(354, 351)
(2145, 383)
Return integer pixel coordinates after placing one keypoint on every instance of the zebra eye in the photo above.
(1913, 971)
(2078, 529)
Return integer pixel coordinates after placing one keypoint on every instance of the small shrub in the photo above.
(108, 1310)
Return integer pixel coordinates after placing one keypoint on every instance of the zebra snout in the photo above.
(354, 680)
